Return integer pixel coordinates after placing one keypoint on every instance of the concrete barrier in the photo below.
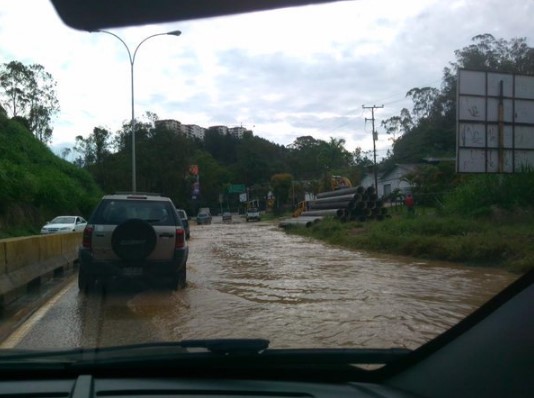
(25, 261)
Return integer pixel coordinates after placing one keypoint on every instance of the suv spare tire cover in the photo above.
(134, 239)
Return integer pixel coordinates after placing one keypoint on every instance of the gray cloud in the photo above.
(221, 78)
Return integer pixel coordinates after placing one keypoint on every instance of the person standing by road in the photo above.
(409, 203)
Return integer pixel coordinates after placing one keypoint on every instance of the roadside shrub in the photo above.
(329, 228)
(425, 226)
(477, 195)
(488, 242)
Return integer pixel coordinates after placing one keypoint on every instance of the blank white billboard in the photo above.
(495, 122)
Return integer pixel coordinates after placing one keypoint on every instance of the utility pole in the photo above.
(375, 137)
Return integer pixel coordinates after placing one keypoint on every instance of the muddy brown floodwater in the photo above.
(253, 280)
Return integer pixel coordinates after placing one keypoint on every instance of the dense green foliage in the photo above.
(481, 195)
(164, 159)
(36, 184)
(28, 92)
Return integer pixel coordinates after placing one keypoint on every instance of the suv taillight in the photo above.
(87, 241)
(180, 238)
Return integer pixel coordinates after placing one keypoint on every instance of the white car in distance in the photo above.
(64, 224)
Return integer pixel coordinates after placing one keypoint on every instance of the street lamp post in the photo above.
(132, 61)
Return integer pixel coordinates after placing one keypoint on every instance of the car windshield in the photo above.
(386, 147)
(63, 220)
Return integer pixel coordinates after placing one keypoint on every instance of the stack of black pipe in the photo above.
(357, 203)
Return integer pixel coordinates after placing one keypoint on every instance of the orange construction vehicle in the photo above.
(340, 182)
(301, 207)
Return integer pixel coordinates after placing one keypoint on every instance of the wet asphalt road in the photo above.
(253, 280)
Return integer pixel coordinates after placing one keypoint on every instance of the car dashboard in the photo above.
(87, 386)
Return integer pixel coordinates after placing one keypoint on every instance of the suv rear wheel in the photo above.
(182, 278)
(179, 280)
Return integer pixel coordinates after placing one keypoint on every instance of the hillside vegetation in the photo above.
(36, 184)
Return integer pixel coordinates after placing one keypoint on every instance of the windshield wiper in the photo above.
(214, 346)
(209, 349)
(228, 346)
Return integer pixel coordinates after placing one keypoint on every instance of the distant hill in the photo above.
(37, 185)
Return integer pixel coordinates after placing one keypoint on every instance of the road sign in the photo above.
(236, 188)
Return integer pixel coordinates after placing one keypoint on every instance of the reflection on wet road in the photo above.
(252, 280)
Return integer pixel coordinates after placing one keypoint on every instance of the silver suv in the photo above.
(136, 236)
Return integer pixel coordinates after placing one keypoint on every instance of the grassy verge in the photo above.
(504, 239)
(18, 232)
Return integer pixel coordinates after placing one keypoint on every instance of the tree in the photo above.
(302, 159)
(303, 143)
(223, 147)
(362, 158)
(430, 183)
(424, 100)
(490, 54)
(65, 153)
(95, 148)
(333, 155)
(396, 126)
(42, 102)
(214, 177)
(40, 124)
(15, 79)
(94, 152)
(123, 138)
(281, 184)
(163, 160)
(29, 92)
(257, 160)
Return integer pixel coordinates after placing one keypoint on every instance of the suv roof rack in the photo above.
(138, 193)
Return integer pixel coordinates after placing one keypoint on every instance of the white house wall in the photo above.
(394, 179)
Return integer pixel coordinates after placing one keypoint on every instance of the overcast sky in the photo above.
(283, 74)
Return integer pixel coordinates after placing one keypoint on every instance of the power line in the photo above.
(396, 97)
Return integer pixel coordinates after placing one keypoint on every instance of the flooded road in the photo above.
(253, 280)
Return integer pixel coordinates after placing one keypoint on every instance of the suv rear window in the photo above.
(116, 211)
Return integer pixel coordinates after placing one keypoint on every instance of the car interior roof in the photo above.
(92, 15)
